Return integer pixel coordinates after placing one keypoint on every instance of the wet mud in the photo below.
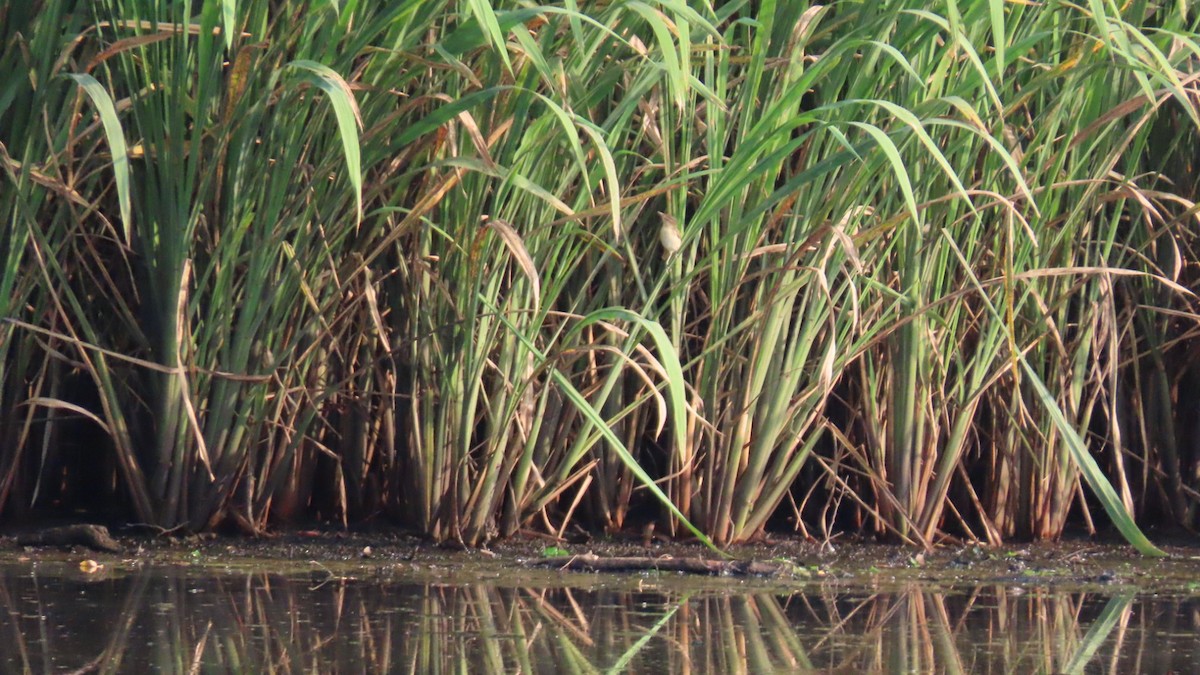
(1074, 564)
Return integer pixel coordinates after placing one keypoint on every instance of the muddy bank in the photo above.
(522, 560)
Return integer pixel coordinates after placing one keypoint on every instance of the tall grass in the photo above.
(501, 267)
(38, 203)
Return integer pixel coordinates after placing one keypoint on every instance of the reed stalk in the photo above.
(494, 267)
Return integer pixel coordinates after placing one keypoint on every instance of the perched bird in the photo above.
(668, 234)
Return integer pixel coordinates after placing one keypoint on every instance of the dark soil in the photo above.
(1073, 563)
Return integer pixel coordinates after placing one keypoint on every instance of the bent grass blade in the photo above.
(670, 361)
(1083, 459)
(348, 120)
(116, 144)
(1088, 467)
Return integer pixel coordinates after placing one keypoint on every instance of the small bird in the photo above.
(668, 234)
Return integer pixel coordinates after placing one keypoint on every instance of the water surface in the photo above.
(178, 618)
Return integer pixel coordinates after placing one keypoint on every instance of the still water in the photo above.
(57, 618)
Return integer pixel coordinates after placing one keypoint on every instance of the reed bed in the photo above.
(483, 268)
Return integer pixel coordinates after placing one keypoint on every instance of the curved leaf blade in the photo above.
(345, 110)
(116, 144)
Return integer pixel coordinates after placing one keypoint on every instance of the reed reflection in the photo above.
(171, 621)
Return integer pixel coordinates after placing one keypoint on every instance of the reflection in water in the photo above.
(174, 620)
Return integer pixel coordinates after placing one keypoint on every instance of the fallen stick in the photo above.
(590, 562)
(95, 537)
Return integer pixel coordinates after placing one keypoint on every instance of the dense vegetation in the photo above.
(910, 268)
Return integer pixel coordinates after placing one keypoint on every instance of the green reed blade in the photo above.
(116, 145)
(345, 109)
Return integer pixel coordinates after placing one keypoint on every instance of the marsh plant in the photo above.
(490, 267)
